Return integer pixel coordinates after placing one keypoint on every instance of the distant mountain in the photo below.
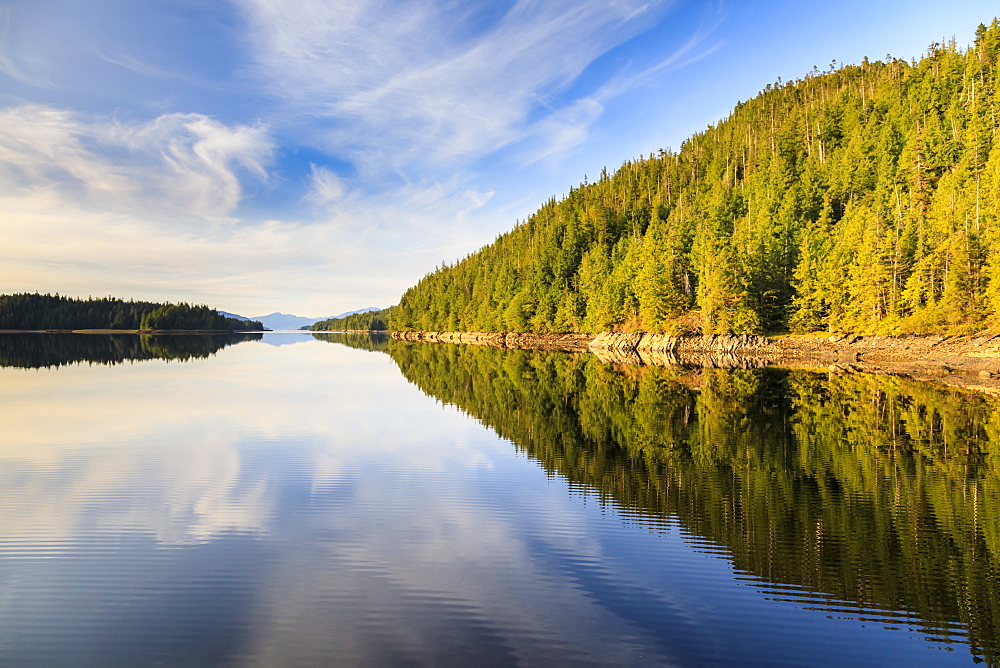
(277, 320)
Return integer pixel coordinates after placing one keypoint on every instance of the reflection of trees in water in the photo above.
(362, 341)
(36, 350)
(874, 490)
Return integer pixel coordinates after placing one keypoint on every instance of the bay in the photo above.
(294, 499)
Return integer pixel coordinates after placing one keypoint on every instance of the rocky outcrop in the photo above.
(518, 340)
(616, 341)
(608, 344)
(962, 360)
(667, 343)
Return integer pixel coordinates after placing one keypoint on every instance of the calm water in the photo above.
(331, 500)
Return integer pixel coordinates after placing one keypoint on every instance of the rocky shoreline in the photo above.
(966, 361)
(515, 340)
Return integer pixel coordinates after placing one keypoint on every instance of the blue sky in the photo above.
(315, 156)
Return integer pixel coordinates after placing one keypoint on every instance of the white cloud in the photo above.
(324, 186)
(395, 83)
(98, 207)
(181, 163)
(365, 251)
(563, 130)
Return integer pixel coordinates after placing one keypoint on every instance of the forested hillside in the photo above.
(36, 311)
(864, 198)
(368, 320)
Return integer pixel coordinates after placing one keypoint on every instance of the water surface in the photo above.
(338, 499)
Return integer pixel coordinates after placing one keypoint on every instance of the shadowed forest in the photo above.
(36, 312)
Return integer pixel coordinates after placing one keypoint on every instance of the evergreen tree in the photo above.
(863, 198)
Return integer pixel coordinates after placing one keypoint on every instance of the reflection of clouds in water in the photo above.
(188, 451)
(430, 569)
(384, 532)
(178, 493)
(305, 503)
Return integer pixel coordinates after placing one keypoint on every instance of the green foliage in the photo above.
(187, 317)
(864, 198)
(37, 312)
(370, 321)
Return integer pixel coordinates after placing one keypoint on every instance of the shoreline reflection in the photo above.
(39, 350)
(863, 495)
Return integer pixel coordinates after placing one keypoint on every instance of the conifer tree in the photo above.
(864, 198)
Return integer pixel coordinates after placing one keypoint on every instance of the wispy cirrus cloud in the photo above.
(324, 187)
(390, 83)
(186, 164)
(27, 71)
(391, 128)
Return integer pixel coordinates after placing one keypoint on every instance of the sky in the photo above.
(320, 156)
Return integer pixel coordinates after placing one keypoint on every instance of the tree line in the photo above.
(371, 321)
(37, 311)
(861, 198)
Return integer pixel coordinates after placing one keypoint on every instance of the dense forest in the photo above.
(37, 311)
(186, 316)
(372, 321)
(859, 488)
(862, 198)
